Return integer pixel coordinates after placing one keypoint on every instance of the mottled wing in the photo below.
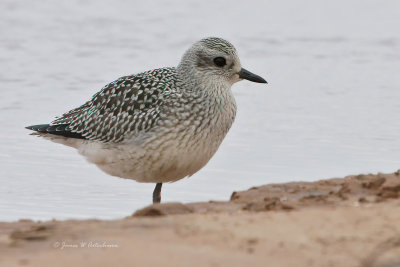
(125, 107)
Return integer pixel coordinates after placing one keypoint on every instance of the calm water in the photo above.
(332, 106)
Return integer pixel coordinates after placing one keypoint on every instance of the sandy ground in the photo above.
(353, 221)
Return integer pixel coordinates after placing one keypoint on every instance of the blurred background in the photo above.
(331, 107)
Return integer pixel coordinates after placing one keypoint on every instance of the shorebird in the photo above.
(160, 125)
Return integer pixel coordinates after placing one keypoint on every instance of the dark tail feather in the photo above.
(61, 129)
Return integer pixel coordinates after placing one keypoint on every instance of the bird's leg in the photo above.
(157, 193)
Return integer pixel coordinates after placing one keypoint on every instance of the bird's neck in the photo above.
(196, 82)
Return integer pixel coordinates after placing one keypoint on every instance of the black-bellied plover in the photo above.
(160, 125)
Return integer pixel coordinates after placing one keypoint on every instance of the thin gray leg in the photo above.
(157, 193)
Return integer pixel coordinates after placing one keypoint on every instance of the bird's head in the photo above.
(215, 59)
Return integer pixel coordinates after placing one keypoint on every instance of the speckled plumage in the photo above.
(125, 107)
(160, 125)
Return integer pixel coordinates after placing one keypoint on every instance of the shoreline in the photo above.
(351, 221)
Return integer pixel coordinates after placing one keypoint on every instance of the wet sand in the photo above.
(351, 221)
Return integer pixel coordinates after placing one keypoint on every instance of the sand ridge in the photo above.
(351, 221)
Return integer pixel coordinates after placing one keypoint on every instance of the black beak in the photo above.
(245, 74)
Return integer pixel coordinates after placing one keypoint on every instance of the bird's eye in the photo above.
(220, 61)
